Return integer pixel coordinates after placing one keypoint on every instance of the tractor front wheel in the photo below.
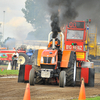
(32, 78)
(62, 79)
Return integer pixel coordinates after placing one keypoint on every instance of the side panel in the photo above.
(78, 47)
(39, 56)
(87, 65)
(81, 56)
(24, 73)
(65, 59)
(27, 70)
(85, 74)
(91, 77)
(21, 73)
(88, 75)
(7, 54)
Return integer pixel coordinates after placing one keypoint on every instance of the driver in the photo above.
(76, 36)
(57, 43)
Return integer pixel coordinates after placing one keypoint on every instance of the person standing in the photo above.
(14, 59)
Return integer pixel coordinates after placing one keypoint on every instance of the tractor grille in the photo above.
(47, 66)
(47, 59)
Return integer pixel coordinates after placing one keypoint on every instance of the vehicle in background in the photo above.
(6, 55)
(30, 52)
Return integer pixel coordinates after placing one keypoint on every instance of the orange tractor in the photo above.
(65, 61)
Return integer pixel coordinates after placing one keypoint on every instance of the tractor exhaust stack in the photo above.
(53, 43)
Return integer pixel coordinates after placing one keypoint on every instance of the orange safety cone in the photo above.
(82, 95)
(27, 92)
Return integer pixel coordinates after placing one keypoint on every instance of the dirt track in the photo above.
(10, 89)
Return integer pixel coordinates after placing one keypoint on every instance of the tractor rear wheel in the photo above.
(71, 75)
(32, 77)
(34, 57)
(62, 79)
(34, 65)
(71, 72)
(34, 60)
(23, 59)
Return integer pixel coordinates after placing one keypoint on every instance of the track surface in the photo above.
(10, 89)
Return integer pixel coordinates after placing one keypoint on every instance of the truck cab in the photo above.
(75, 36)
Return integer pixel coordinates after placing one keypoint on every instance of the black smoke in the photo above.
(89, 9)
(68, 10)
(55, 25)
(61, 11)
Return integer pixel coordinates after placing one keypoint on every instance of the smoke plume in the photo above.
(68, 10)
(61, 11)
(55, 25)
(10, 43)
(89, 9)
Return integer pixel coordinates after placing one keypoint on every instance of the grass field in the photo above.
(9, 72)
(95, 98)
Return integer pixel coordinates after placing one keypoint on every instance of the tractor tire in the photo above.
(23, 59)
(34, 65)
(32, 77)
(91, 77)
(62, 79)
(34, 60)
(34, 57)
(71, 72)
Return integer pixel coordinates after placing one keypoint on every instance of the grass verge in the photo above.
(9, 72)
(94, 98)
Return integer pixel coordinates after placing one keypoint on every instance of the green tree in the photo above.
(36, 15)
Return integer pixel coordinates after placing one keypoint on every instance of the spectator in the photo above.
(14, 59)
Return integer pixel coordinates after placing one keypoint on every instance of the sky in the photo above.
(15, 25)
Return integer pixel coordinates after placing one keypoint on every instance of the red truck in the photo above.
(6, 55)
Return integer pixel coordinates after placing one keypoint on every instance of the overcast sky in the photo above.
(15, 24)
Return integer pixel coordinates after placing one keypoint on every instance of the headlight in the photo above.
(41, 59)
(53, 60)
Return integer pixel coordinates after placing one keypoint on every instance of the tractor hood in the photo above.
(49, 57)
(49, 53)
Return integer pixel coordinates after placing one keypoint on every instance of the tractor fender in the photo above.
(88, 75)
(67, 58)
(36, 57)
